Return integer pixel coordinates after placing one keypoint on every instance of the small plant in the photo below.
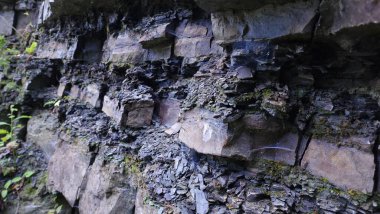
(57, 207)
(15, 184)
(32, 48)
(8, 132)
(56, 102)
(6, 53)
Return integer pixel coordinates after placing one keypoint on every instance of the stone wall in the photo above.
(207, 106)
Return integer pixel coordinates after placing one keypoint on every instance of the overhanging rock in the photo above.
(247, 138)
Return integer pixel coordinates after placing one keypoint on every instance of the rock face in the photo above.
(356, 168)
(68, 169)
(7, 18)
(285, 20)
(194, 106)
(41, 131)
(105, 192)
(208, 135)
(57, 49)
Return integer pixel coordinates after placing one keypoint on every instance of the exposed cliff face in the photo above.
(199, 107)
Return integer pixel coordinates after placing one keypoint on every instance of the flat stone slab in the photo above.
(67, 169)
(41, 131)
(345, 167)
(106, 190)
(6, 22)
(131, 112)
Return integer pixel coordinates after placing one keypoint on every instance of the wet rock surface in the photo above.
(194, 107)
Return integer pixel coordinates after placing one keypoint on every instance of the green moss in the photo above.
(12, 86)
(267, 93)
(358, 196)
(246, 98)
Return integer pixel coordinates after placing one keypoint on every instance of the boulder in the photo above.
(107, 190)
(345, 167)
(6, 23)
(133, 112)
(68, 167)
(42, 131)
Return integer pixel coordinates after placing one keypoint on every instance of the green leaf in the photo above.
(49, 103)
(23, 117)
(58, 210)
(32, 48)
(28, 174)
(57, 103)
(4, 124)
(4, 193)
(8, 184)
(6, 138)
(16, 179)
(3, 131)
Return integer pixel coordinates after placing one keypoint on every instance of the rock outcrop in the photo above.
(204, 106)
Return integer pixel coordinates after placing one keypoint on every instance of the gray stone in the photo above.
(104, 193)
(169, 111)
(284, 150)
(92, 94)
(125, 48)
(174, 129)
(345, 167)
(44, 11)
(221, 5)
(346, 14)
(252, 136)
(140, 116)
(143, 207)
(204, 133)
(63, 88)
(75, 91)
(68, 168)
(41, 131)
(156, 35)
(113, 108)
(133, 113)
(6, 22)
(194, 39)
(202, 205)
(267, 22)
(26, 21)
(256, 194)
(244, 72)
(54, 49)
